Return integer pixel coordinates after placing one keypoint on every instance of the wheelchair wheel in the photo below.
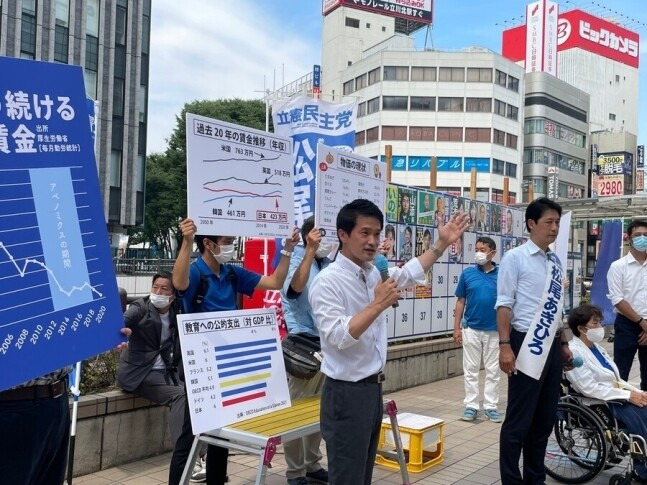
(620, 479)
(577, 449)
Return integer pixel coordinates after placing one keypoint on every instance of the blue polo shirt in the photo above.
(479, 290)
(221, 295)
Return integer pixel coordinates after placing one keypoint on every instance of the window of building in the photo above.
(115, 168)
(28, 30)
(479, 74)
(361, 109)
(456, 74)
(513, 84)
(450, 104)
(394, 103)
(539, 184)
(372, 134)
(421, 133)
(512, 197)
(374, 76)
(90, 81)
(423, 73)
(384, 28)
(348, 87)
(498, 137)
(477, 135)
(499, 107)
(449, 134)
(498, 166)
(511, 141)
(478, 105)
(351, 22)
(501, 78)
(92, 18)
(360, 138)
(61, 43)
(396, 73)
(511, 170)
(121, 25)
(372, 106)
(423, 103)
(612, 117)
(91, 53)
(394, 133)
(361, 82)
(497, 196)
(368, 26)
(513, 112)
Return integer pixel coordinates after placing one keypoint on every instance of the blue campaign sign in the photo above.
(481, 164)
(58, 297)
(449, 164)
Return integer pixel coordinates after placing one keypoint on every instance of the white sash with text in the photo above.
(547, 320)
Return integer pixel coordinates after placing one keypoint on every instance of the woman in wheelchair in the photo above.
(598, 377)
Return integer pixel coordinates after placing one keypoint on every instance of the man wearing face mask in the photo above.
(476, 296)
(148, 367)
(223, 283)
(627, 282)
(303, 455)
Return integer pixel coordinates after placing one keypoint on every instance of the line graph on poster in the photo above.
(239, 180)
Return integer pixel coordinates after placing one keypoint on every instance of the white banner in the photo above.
(550, 38)
(534, 36)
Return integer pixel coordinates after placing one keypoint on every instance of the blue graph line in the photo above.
(241, 345)
(244, 371)
(229, 365)
(240, 390)
(235, 355)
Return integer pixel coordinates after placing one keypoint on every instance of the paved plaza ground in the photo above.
(471, 448)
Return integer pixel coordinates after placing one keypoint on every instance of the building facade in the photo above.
(110, 40)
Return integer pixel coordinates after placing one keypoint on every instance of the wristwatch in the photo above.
(286, 253)
(504, 342)
(436, 251)
(639, 321)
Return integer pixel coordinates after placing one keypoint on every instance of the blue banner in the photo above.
(421, 164)
(398, 162)
(309, 122)
(58, 299)
(609, 252)
(481, 164)
(449, 164)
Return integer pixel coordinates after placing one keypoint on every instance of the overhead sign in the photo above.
(239, 180)
(534, 36)
(417, 10)
(611, 185)
(614, 163)
(341, 178)
(58, 298)
(449, 164)
(553, 183)
(233, 365)
(316, 80)
(579, 29)
(481, 164)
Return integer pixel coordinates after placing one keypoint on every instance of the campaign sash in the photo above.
(545, 323)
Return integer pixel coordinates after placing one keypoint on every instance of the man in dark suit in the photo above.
(147, 368)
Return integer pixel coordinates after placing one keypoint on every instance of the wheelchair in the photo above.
(587, 439)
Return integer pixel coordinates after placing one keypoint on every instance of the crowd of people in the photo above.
(502, 311)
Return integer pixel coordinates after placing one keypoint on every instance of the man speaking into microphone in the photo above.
(348, 300)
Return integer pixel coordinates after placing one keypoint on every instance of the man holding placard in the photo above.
(348, 300)
(529, 319)
(210, 285)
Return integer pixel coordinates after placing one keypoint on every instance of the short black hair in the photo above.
(199, 241)
(426, 233)
(347, 217)
(635, 224)
(308, 225)
(538, 207)
(409, 230)
(581, 315)
(389, 229)
(487, 240)
(163, 274)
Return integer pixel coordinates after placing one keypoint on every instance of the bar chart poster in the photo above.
(59, 301)
(233, 366)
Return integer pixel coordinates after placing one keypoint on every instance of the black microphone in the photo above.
(382, 266)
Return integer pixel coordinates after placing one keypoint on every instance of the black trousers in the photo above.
(625, 345)
(351, 417)
(529, 419)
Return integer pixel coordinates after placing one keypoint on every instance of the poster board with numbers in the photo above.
(412, 218)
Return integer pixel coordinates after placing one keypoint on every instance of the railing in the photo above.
(148, 266)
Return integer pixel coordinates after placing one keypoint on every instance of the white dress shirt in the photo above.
(627, 280)
(521, 282)
(341, 291)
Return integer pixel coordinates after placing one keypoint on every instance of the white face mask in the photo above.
(323, 250)
(595, 335)
(480, 258)
(160, 301)
(226, 253)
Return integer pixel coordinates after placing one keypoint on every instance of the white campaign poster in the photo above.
(341, 178)
(239, 180)
(233, 366)
(561, 243)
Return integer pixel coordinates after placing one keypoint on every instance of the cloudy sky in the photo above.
(216, 49)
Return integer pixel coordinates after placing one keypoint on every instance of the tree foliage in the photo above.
(166, 172)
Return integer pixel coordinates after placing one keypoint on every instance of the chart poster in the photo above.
(58, 294)
(341, 178)
(239, 180)
(233, 366)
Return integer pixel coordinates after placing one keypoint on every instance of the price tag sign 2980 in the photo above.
(611, 186)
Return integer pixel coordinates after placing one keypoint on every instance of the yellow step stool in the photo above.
(422, 440)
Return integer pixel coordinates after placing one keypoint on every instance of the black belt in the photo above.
(57, 389)
(374, 379)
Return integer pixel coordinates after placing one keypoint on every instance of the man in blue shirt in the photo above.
(529, 302)
(303, 454)
(224, 283)
(476, 293)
